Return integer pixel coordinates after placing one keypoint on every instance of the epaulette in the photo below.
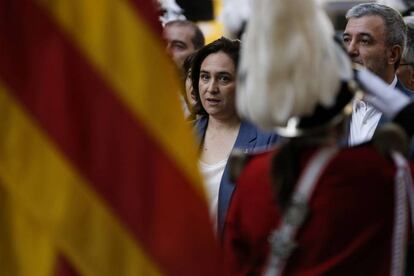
(239, 158)
(390, 137)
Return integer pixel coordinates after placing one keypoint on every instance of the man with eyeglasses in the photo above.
(405, 70)
(374, 36)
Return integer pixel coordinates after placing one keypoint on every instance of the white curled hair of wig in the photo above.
(172, 11)
(234, 14)
(289, 62)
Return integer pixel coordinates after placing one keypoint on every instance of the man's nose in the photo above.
(352, 48)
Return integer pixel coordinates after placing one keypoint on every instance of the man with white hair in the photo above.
(375, 36)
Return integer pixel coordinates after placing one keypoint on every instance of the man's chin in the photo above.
(358, 66)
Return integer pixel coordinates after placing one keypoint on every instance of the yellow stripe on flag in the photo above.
(122, 65)
(49, 197)
(25, 246)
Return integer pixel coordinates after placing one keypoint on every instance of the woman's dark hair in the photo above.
(186, 73)
(188, 63)
(225, 45)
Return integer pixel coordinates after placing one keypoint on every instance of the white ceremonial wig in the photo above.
(172, 11)
(234, 14)
(289, 62)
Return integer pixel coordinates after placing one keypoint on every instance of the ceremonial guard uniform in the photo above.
(310, 207)
(348, 228)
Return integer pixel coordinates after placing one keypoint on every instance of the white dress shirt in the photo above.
(364, 120)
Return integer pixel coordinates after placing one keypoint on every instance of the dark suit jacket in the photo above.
(407, 92)
(382, 120)
(250, 138)
(385, 120)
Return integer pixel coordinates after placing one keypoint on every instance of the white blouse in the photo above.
(212, 174)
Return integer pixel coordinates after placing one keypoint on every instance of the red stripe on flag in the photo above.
(146, 11)
(64, 268)
(104, 141)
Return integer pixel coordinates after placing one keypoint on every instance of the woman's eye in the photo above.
(204, 77)
(224, 78)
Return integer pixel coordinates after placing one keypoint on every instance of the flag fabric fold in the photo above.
(97, 166)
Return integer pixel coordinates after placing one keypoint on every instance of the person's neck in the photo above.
(389, 77)
(228, 123)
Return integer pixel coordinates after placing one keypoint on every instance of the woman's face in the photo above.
(217, 85)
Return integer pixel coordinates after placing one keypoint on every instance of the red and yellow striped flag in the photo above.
(97, 166)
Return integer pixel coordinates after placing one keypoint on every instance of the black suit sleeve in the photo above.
(405, 118)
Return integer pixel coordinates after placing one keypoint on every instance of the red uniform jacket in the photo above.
(348, 230)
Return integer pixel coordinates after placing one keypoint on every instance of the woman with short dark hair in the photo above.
(220, 129)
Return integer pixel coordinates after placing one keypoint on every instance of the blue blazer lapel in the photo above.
(247, 137)
(246, 140)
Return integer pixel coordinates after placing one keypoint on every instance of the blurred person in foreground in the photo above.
(310, 207)
(375, 37)
(405, 70)
(220, 129)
